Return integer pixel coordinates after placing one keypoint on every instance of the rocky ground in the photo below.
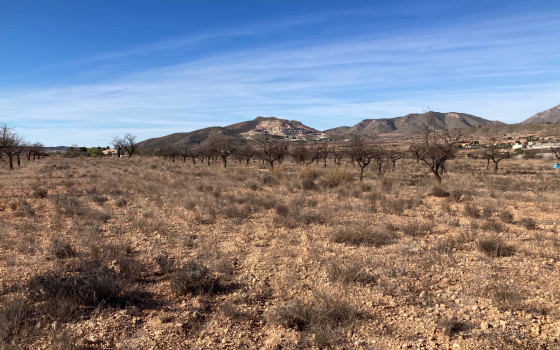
(106, 253)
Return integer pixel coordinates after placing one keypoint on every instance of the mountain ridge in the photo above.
(273, 126)
(551, 115)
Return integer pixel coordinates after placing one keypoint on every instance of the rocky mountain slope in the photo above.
(551, 115)
(409, 124)
(248, 129)
(412, 123)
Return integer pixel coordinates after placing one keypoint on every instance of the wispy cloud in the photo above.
(495, 69)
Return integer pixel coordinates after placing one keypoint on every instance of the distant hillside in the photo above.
(248, 129)
(411, 124)
(549, 116)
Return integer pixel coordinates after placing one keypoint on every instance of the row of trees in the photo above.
(433, 148)
(13, 145)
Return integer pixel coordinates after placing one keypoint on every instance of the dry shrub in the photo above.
(129, 268)
(323, 316)
(296, 215)
(337, 176)
(488, 211)
(14, 318)
(439, 191)
(493, 225)
(307, 176)
(452, 326)
(193, 277)
(363, 235)
(528, 223)
(457, 195)
(67, 204)
(40, 192)
(121, 202)
(269, 180)
(24, 209)
(472, 211)
(494, 246)
(353, 271)
(237, 213)
(397, 206)
(60, 248)
(164, 263)
(508, 296)
(417, 228)
(95, 285)
(506, 217)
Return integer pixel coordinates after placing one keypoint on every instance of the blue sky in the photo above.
(82, 72)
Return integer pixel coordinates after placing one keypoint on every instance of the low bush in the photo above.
(494, 246)
(439, 191)
(337, 176)
(164, 263)
(417, 228)
(60, 248)
(14, 318)
(194, 278)
(349, 272)
(472, 211)
(363, 235)
(506, 217)
(323, 317)
(493, 225)
(528, 223)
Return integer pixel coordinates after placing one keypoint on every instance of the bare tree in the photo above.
(299, 151)
(393, 155)
(434, 148)
(337, 153)
(130, 144)
(361, 153)
(119, 144)
(9, 143)
(246, 152)
(19, 149)
(323, 151)
(220, 145)
(272, 150)
(495, 154)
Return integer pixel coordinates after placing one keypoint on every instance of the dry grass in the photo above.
(143, 253)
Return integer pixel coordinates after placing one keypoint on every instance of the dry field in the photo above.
(105, 253)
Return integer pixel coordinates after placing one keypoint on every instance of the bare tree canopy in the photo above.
(361, 153)
(130, 144)
(272, 150)
(221, 145)
(495, 154)
(10, 143)
(119, 144)
(434, 148)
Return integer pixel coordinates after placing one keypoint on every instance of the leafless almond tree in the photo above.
(272, 150)
(495, 154)
(10, 143)
(434, 148)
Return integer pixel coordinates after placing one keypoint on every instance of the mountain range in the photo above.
(406, 125)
